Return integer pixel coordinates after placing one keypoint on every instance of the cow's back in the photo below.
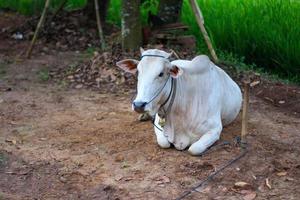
(204, 93)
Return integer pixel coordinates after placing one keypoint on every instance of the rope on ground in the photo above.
(211, 176)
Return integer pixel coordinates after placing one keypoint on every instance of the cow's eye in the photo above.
(161, 74)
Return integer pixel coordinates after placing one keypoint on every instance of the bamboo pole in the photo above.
(100, 31)
(245, 112)
(59, 8)
(200, 21)
(41, 21)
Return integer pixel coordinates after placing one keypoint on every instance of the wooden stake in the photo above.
(100, 31)
(200, 21)
(42, 19)
(245, 112)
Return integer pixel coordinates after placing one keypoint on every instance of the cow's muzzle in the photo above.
(139, 106)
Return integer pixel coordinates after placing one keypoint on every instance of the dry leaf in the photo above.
(289, 179)
(119, 158)
(241, 184)
(13, 123)
(166, 179)
(163, 179)
(124, 178)
(269, 99)
(254, 83)
(11, 141)
(250, 196)
(281, 173)
(268, 184)
(204, 190)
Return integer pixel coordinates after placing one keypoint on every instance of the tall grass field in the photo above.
(264, 32)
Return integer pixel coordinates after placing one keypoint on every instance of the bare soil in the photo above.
(57, 142)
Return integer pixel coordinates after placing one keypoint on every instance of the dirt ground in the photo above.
(62, 143)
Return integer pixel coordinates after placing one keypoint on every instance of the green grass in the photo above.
(264, 32)
(29, 7)
(114, 11)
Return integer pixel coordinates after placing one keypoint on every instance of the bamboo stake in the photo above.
(42, 19)
(245, 112)
(200, 21)
(59, 8)
(100, 31)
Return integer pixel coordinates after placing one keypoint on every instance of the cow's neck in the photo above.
(169, 95)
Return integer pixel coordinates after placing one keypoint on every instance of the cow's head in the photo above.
(154, 83)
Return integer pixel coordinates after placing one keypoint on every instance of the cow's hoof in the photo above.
(196, 149)
(163, 142)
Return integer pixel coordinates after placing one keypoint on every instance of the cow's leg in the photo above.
(160, 137)
(208, 139)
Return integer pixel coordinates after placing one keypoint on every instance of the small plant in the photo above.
(90, 51)
(72, 67)
(43, 75)
(62, 84)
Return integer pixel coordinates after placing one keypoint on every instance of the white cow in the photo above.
(196, 97)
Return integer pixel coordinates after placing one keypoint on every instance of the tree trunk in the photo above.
(90, 9)
(131, 25)
(169, 10)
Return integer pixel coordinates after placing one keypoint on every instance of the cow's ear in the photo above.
(175, 71)
(128, 65)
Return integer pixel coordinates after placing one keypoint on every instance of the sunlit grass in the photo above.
(29, 7)
(265, 32)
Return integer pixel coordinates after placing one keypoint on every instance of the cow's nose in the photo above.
(139, 106)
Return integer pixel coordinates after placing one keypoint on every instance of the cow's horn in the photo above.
(173, 53)
(142, 50)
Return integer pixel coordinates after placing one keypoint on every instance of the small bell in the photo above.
(162, 122)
